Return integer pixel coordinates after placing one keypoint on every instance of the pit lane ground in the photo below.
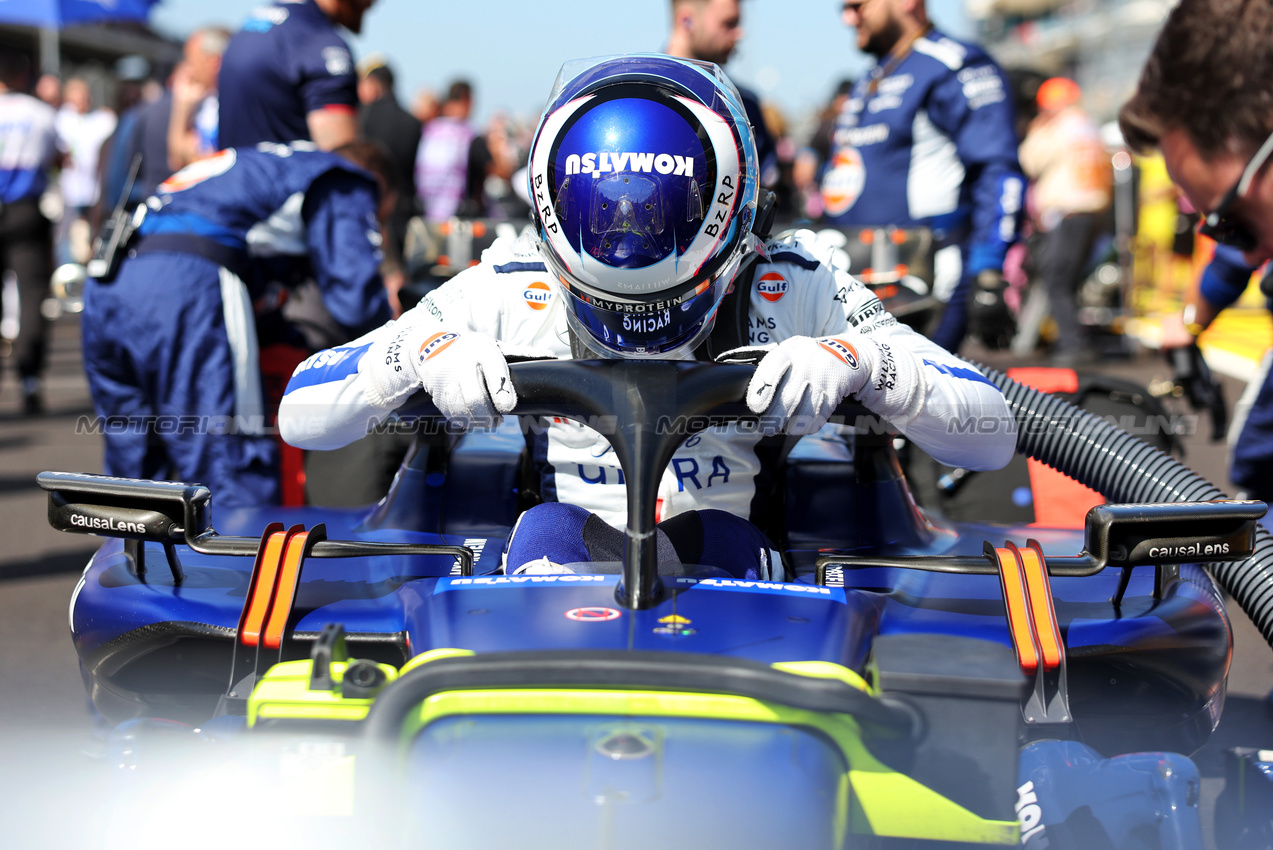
(53, 759)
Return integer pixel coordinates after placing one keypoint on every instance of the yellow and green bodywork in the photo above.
(874, 799)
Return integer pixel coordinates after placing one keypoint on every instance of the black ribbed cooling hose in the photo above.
(1123, 468)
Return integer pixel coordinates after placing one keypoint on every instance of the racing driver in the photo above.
(644, 174)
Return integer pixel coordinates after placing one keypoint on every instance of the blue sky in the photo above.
(793, 51)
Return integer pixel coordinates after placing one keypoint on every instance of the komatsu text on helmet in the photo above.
(643, 179)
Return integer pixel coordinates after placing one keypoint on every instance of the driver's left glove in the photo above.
(799, 383)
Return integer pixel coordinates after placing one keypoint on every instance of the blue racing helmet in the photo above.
(643, 180)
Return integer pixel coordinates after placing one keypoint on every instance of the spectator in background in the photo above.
(49, 89)
(786, 207)
(820, 141)
(817, 152)
(114, 164)
(147, 137)
(709, 30)
(492, 154)
(425, 106)
(192, 124)
(81, 130)
(28, 147)
(1072, 187)
(288, 75)
(146, 131)
(383, 120)
(442, 161)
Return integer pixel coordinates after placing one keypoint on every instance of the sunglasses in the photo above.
(1226, 230)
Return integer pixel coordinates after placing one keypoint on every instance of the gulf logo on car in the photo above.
(537, 295)
(436, 344)
(840, 349)
(772, 286)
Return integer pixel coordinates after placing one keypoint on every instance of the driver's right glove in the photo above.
(465, 374)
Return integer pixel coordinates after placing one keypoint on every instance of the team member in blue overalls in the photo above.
(645, 175)
(170, 343)
(926, 139)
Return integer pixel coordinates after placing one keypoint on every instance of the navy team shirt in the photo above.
(286, 62)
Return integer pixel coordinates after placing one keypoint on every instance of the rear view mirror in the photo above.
(1172, 532)
(159, 511)
(177, 512)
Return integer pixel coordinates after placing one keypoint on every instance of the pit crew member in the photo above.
(1218, 153)
(170, 342)
(927, 139)
(288, 75)
(645, 176)
(1251, 436)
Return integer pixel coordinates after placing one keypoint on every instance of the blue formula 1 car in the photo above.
(313, 676)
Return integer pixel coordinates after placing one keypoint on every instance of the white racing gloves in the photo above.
(799, 383)
(465, 374)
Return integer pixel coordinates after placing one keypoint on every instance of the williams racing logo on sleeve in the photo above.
(772, 286)
(436, 344)
(537, 295)
(841, 349)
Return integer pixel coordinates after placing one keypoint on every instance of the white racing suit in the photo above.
(952, 412)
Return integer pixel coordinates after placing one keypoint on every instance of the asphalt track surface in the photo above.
(52, 765)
